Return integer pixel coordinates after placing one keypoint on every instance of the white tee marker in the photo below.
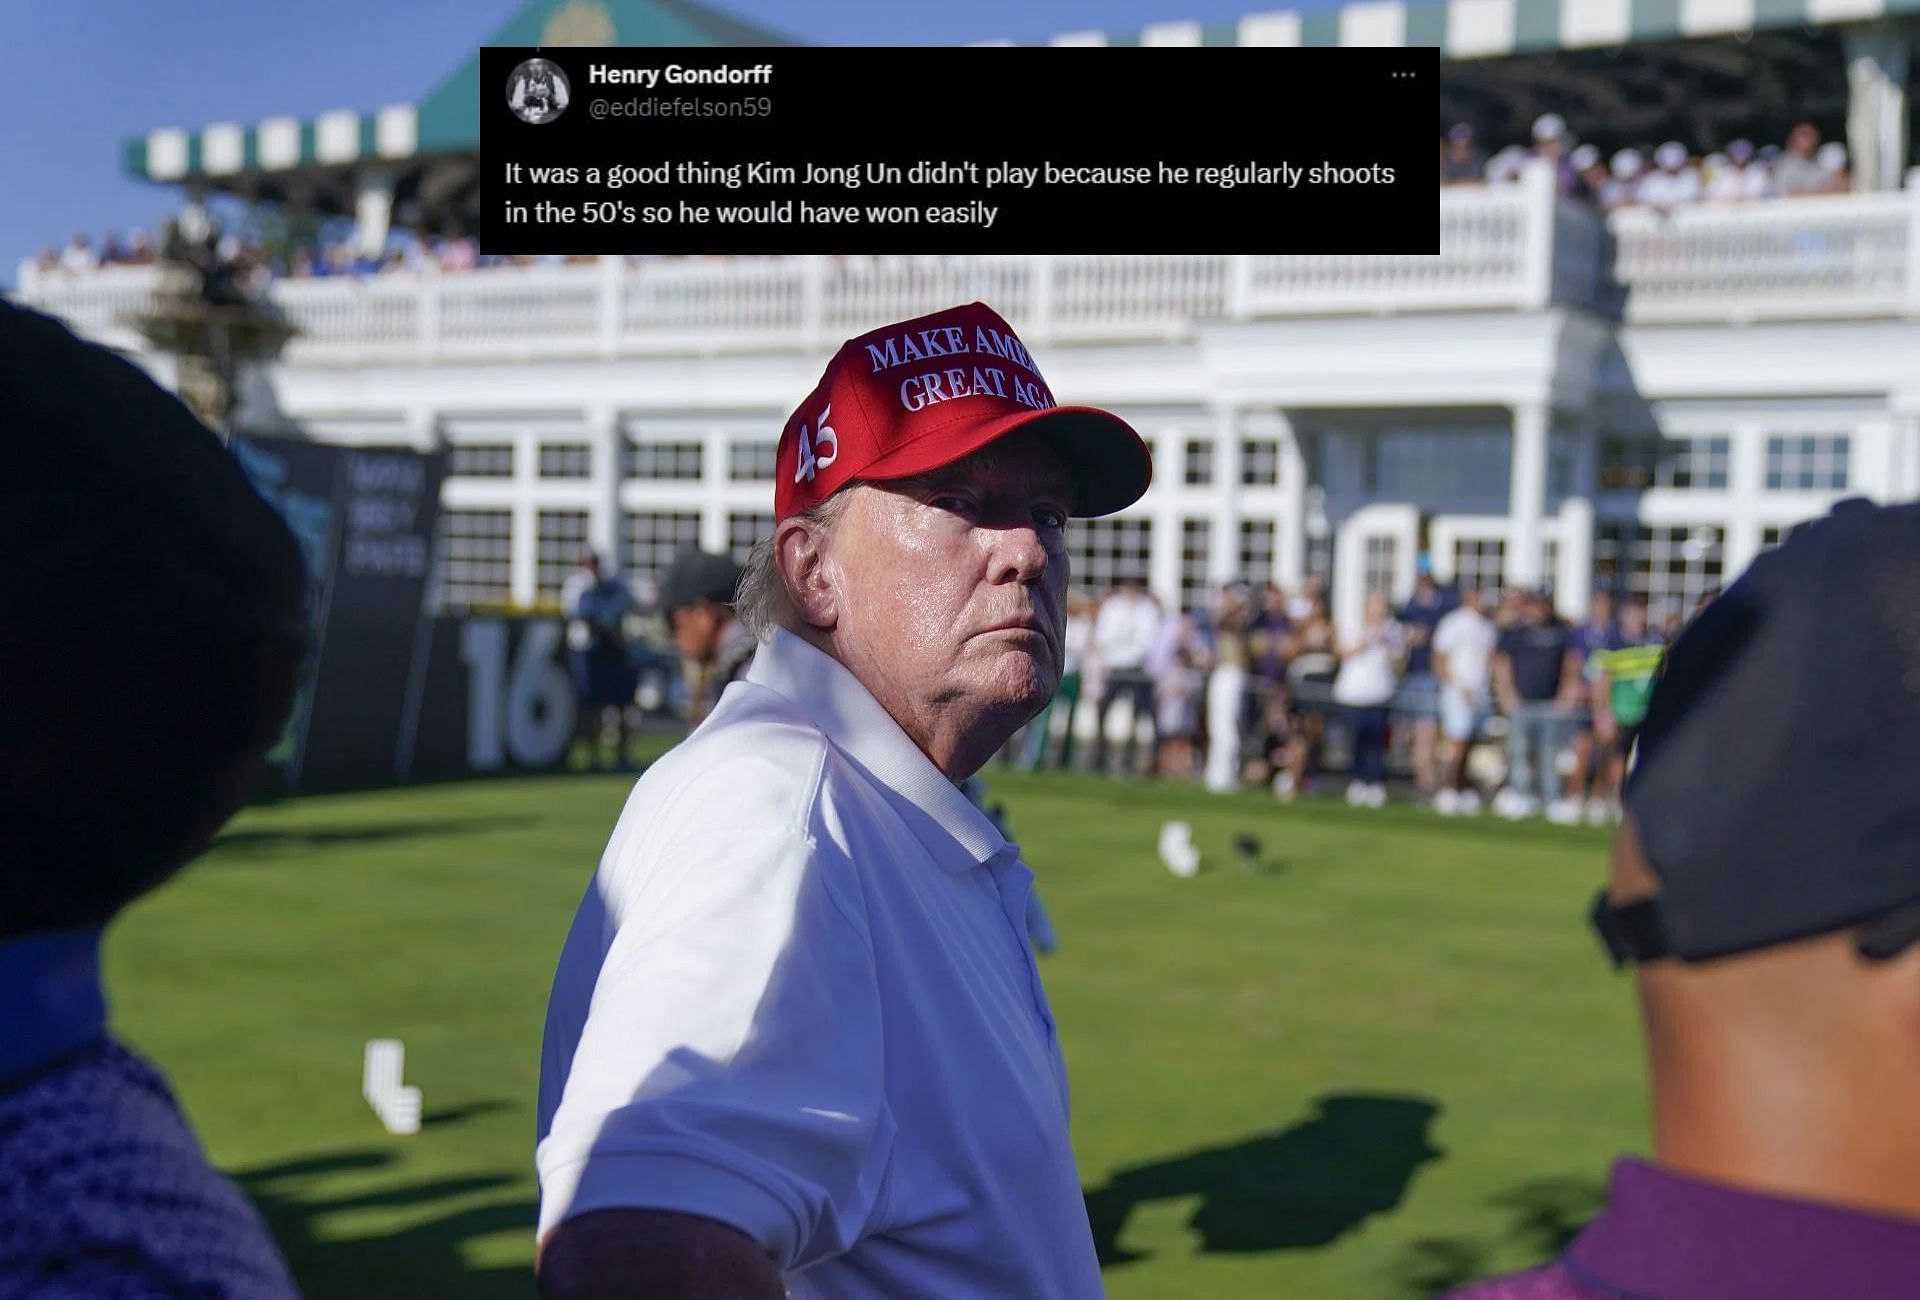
(397, 1104)
(1177, 850)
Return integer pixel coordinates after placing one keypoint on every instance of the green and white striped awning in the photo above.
(447, 120)
(1480, 29)
(277, 144)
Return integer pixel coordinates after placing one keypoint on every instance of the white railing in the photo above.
(1832, 255)
(1514, 248)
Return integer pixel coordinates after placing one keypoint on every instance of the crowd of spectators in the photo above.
(1260, 688)
(1659, 178)
(307, 260)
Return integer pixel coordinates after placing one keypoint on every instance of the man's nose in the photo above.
(1019, 554)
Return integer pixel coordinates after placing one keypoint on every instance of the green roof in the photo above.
(447, 119)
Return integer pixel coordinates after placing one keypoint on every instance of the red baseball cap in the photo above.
(913, 396)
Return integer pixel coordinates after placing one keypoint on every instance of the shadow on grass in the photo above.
(1296, 1189)
(428, 1257)
(645, 748)
(266, 841)
(455, 1114)
(1542, 1218)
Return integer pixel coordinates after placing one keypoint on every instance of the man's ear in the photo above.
(799, 552)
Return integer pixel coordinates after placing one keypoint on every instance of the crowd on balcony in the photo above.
(315, 259)
(1659, 177)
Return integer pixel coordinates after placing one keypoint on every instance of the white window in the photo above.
(1108, 551)
(1480, 563)
(1259, 462)
(1196, 550)
(751, 461)
(1631, 463)
(654, 537)
(744, 528)
(1808, 464)
(560, 536)
(481, 460)
(1256, 550)
(665, 461)
(1199, 462)
(476, 557)
(1320, 560)
(566, 460)
(1671, 566)
(1382, 556)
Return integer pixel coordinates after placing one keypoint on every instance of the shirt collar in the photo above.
(1666, 1235)
(50, 986)
(957, 834)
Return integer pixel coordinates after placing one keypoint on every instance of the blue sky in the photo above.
(83, 76)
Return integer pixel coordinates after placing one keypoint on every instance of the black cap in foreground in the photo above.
(696, 576)
(1774, 788)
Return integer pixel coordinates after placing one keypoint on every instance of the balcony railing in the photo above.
(1514, 248)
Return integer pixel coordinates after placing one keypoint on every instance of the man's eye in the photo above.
(1050, 517)
(948, 501)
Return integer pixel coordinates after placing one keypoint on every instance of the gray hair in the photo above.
(761, 602)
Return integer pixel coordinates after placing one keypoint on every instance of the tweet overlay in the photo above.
(664, 150)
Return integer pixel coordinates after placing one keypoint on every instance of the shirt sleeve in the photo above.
(731, 1064)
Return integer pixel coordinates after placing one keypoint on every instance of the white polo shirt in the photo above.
(798, 999)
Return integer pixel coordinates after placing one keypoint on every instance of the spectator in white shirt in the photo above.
(1463, 648)
(78, 257)
(1672, 183)
(1832, 159)
(1124, 632)
(1741, 179)
(1309, 594)
(1622, 188)
(1369, 674)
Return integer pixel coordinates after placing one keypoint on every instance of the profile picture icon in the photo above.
(537, 91)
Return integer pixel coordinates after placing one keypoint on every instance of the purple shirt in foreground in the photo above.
(1665, 1237)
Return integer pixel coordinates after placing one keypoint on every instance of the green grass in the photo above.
(1389, 1059)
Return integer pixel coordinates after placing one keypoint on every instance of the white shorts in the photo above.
(1460, 717)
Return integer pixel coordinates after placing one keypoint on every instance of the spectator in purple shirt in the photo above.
(1463, 161)
(1766, 883)
(137, 716)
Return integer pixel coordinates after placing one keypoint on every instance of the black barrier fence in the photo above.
(393, 692)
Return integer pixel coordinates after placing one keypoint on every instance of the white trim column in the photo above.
(1903, 453)
(603, 516)
(1747, 486)
(524, 569)
(1527, 491)
(1290, 536)
(1163, 557)
(1223, 565)
(1877, 65)
(372, 209)
(1573, 584)
(713, 489)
